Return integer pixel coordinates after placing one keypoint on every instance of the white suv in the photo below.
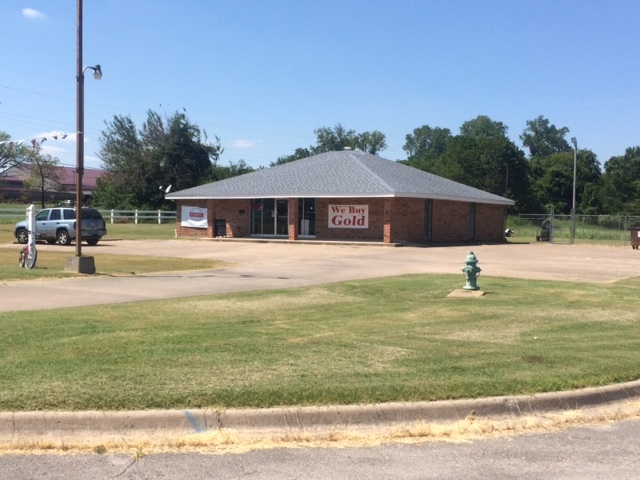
(59, 225)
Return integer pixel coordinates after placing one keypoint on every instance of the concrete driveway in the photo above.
(283, 265)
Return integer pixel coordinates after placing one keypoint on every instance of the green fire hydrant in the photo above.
(471, 272)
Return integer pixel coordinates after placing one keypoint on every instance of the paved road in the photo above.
(274, 265)
(602, 453)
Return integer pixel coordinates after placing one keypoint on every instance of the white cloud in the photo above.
(33, 14)
(241, 143)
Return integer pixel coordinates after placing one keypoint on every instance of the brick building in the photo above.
(63, 188)
(346, 195)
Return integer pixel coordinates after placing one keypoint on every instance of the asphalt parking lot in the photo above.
(283, 265)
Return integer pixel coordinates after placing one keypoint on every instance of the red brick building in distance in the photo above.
(12, 184)
(342, 196)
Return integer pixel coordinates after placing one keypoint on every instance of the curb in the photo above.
(125, 424)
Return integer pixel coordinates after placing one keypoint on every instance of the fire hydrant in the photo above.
(471, 272)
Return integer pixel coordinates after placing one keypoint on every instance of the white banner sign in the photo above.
(348, 216)
(194, 217)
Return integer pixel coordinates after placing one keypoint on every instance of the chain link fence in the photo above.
(600, 229)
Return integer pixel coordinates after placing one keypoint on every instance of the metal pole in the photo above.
(573, 208)
(79, 134)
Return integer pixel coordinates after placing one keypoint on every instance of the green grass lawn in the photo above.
(394, 339)
(52, 264)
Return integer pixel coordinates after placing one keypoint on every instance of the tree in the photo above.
(139, 165)
(44, 173)
(122, 183)
(371, 142)
(12, 153)
(482, 156)
(483, 127)
(425, 146)
(336, 139)
(176, 152)
(297, 155)
(552, 182)
(333, 139)
(621, 183)
(220, 172)
(544, 139)
(493, 164)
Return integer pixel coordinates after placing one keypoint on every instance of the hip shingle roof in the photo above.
(336, 175)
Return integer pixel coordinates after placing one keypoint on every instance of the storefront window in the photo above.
(307, 216)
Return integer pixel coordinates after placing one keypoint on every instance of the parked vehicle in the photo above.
(59, 225)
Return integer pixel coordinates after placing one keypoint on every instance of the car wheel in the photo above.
(22, 235)
(92, 241)
(63, 237)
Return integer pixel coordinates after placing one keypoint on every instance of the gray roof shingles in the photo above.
(337, 175)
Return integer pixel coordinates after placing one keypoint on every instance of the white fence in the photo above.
(110, 216)
(139, 216)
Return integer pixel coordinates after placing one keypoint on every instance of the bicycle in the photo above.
(28, 256)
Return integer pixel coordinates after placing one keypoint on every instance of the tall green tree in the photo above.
(233, 169)
(551, 173)
(140, 164)
(425, 146)
(493, 164)
(335, 139)
(482, 156)
(483, 127)
(371, 142)
(621, 183)
(552, 182)
(543, 138)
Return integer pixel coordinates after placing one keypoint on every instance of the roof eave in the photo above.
(496, 201)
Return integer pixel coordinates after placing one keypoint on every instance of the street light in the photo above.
(573, 208)
(79, 263)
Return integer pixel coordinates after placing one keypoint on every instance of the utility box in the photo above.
(635, 237)
(220, 228)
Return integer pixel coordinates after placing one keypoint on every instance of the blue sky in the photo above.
(263, 75)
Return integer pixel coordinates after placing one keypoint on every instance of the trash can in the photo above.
(543, 235)
(635, 237)
(220, 228)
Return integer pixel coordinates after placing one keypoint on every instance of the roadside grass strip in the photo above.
(220, 442)
(357, 342)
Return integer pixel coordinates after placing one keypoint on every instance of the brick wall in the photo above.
(490, 222)
(237, 213)
(408, 216)
(451, 221)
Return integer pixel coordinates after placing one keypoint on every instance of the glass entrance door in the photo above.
(269, 216)
(282, 217)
